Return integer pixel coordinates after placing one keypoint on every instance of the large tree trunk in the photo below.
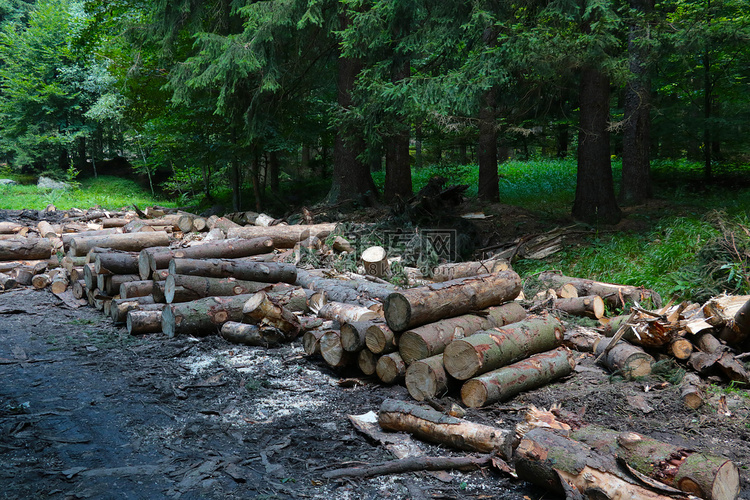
(269, 272)
(351, 176)
(436, 427)
(426, 304)
(489, 181)
(506, 382)
(595, 193)
(491, 349)
(635, 187)
(428, 340)
(397, 159)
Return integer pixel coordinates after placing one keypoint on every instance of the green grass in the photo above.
(110, 193)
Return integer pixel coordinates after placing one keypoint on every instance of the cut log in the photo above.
(283, 236)
(491, 349)
(112, 283)
(40, 281)
(380, 339)
(353, 335)
(353, 291)
(375, 260)
(431, 339)
(332, 352)
(221, 223)
(702, 474)
(581, 339)
(560, 464)
(367, 362)
(22, 275)
(704, 362)
(142, 321)
(215, 287)
(427, 378)
(427, 304)
(10, 227)
(737, 330)
(624, 358)
(412, 464)
(203, 316)
(59, 283)
(591, 306)
(119, 308)
(341, 244)
(435, 427)
(269, 272)
(116, 262)
(691, 391)
(614, 295)
(504, 383)
(311, 342)
(261, 309)
(132, 242)
(68, 237)
(25, 249)
(708, 343)
(390, 368)
(732, 369)
(242, 333)
(130, 289)
(78, 288)
(46, 230)
(447, 272)
(341, 312)
(681, 348)
(7, 282)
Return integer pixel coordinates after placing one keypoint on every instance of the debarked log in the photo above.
(428, 340)
(269, 272)
(342, 312)
(491, 349)
(430, 425)
(203, 316)
(430, 303)
(530, 373)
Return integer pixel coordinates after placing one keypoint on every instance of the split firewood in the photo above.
(116, 262)
(266, 313)
(427, 304)
(133, 242)
(340, 311)
(436, 427)
(375, 260)
(380, 339)
(332, 352)
(573, 469)
(269, 272)
(367, 361)
(243, 333)
(151, 260)
(624, 358)
(139, 322)
(530, 373)
(427, 379)
(25, 249)
(491, 349)
(202, 286)
(411, 464)
(203, 316)
(428, 340)
(390, 368)
(283, 236)
(613, 295)
(353, 335)
(311, 342)
(447, 272)
(691, 391)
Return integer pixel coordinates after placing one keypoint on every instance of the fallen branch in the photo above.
(411, 464)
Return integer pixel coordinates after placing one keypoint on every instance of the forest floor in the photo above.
(88, 411)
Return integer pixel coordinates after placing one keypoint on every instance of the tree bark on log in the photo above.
(435, 427)
(46, 230)
(691, 391)
(380, 339)
(736, 331)
(216, 287)
(707, 476)
(143, 321)
(243, 333)
(504, 383)
(267, 313)
(427, 379)
(269, 272)
(119, 308)
(203, 316)
(431, 339)
(132, 242)
(427, 304)
(613, 295)
(591, 306)
(68, 237)
(448, 272)
(375, 261)
(10, 227)
(491, 349)
(558, 464)
(140, 288)
(283, 236)
(25, 249)
(110, 284)
(116, 262)
(7, 282)
(351, 291)
(624, 358)
(390, 368)
(311, 342)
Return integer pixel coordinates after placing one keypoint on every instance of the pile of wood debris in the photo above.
(468, 330)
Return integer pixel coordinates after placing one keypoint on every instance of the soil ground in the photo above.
(88, 411)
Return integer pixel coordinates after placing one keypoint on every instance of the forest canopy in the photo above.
(255, 98)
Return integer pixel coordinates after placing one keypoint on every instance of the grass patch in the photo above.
(111, 193)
